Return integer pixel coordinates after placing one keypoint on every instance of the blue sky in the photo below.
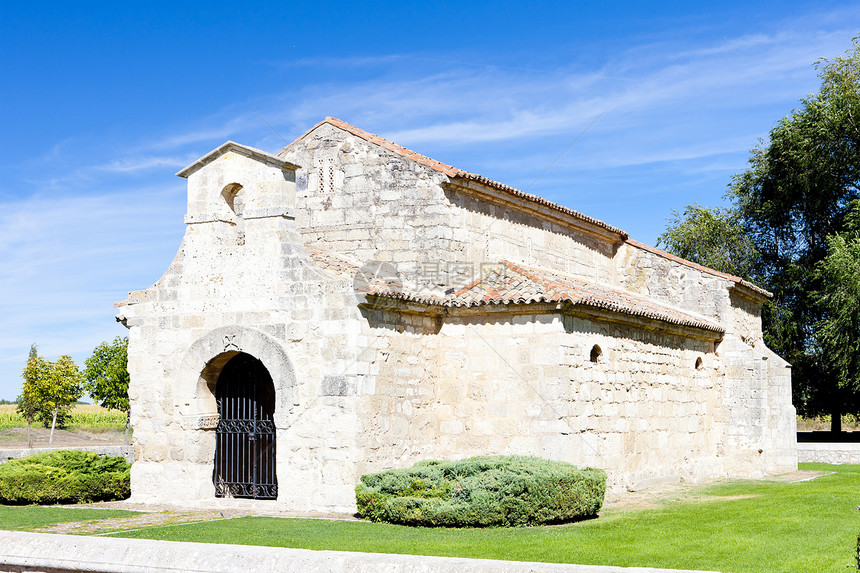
(623, 111)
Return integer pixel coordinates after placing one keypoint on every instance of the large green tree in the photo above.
(107, 376)
(35, 368)
(838, 335)
(789, 229)
(795, 195)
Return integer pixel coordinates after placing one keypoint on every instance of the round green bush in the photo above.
(64, 476)
(482, 491)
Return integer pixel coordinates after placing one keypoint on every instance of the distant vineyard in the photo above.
(83, 416)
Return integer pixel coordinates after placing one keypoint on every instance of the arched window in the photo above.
(596, 353)
(235, 199)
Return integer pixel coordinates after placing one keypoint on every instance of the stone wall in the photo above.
(494, 230)
(654, 406)
(265, 296)
(828, 453)
(356, 199)
(662, 279)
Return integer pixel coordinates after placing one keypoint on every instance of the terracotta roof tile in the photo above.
(510, 283)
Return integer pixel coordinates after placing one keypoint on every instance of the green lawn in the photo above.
(747, 526)
(736, 527)
(26, 517)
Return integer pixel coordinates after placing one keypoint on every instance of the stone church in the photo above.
(348, 305)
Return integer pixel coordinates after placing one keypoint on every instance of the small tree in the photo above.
(107, 376)
(53, 386)
(27, 406)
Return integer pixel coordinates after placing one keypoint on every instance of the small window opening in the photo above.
(596, 353)
(235, 199)
(325, 172)
(699, 363)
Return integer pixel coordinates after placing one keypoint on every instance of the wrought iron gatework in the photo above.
(245, 436)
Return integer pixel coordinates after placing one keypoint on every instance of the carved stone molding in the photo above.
(209, 422)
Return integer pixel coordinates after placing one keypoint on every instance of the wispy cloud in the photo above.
(459, 104)
(65, 261)
(132, 164)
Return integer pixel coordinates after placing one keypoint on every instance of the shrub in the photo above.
(482, 491)
(64, 476)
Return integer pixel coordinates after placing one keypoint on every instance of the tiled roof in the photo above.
(510, 283)
(455, 173)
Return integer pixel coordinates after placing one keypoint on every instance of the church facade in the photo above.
(348, 305)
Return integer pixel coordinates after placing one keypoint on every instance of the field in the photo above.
(850, 423)
(84, 417)
(90, 426)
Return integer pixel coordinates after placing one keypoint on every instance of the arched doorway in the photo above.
(245, 436)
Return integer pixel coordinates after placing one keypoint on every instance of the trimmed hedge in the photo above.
(64, 476)
(482, 491)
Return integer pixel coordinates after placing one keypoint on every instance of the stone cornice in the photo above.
(238, 148)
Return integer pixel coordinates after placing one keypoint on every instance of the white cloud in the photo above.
(132, 164)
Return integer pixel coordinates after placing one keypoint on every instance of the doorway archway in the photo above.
(245, 440)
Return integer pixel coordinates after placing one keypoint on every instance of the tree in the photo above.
(36, 367)
(107, 376)
(838, 336)
(714, 238)
(793, 199)
(52, 386)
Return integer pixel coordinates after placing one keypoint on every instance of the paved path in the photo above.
(66, 553)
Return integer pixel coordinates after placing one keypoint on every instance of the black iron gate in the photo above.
(245, 437)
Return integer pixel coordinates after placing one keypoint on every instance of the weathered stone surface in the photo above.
(828, 453)
(53, 553)
(363, 382)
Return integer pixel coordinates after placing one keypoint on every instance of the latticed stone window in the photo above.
(325, 174)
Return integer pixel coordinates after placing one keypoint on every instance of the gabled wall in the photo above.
(362, 200)
(242, 282)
